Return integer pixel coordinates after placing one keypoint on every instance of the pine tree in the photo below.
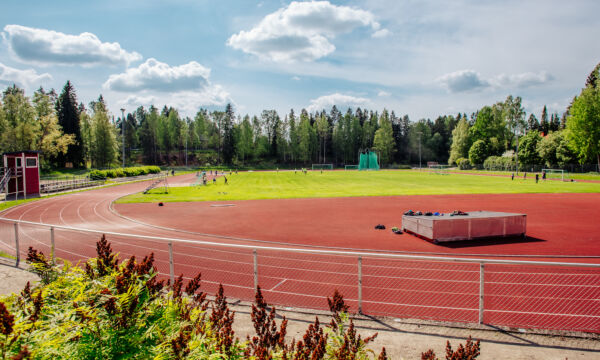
(532, 123)
(544, 124)
(592, 80)
(554, 122)
(68, 118)
(228, 136)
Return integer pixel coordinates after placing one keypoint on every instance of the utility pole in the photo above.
(123, 133)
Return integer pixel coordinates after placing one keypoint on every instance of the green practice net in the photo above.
(368, 161)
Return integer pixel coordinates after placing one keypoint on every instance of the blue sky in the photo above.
(421, 58)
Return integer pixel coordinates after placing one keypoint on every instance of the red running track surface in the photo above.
(548, 297)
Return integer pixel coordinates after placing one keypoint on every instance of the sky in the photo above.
(422, 58)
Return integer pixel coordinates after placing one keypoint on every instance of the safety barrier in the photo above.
(523, 294)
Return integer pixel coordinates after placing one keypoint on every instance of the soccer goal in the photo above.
(350, 167)
(322, 166)
(556, 174)
(439, 169)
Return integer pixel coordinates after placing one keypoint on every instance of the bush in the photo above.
(463, 164)
(498, 163)
(97, 175)
(478, 152)
(111, 310)
(122, 172)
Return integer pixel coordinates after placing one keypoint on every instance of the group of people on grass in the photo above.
(537, 176)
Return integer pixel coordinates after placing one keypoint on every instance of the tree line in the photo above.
(499, 134)
(70, 134)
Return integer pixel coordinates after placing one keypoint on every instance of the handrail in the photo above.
(4, 180)
(313, 251)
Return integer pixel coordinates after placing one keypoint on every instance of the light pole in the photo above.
(123, 133)
(517, 133)
(420, 133)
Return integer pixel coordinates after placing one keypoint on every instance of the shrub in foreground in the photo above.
(109, 310)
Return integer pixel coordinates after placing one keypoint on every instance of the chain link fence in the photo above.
(524, 294)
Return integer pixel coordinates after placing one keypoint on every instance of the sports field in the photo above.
(314, 184)
(300, 249)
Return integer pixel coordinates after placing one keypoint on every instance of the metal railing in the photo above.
(524, 294)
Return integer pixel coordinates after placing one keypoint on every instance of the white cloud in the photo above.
(463, 80)
(381, 33)
(186, 102)
(296, 78)
(467, 80)
(186, 87)
(341, 101)
(301, 31)
(51, 47)
(23, 78)
(382, 93)
(159, 76)
(522, 80)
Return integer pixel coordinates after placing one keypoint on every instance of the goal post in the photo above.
(556, 174)
(322, 166)
(439, 169)
(350, 167)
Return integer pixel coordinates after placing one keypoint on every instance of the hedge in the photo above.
(123, 172)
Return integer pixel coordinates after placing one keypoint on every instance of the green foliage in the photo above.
(489, 123)
(463, 164)
(384, 139)
(103, 146)
(68, 118)
(478, 152)
(121, 172)
(583, 125)
(554, 149)
(461, 142)
(499, 163)
(107, 310)
(528, 154)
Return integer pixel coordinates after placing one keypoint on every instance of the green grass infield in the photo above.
(314, 184)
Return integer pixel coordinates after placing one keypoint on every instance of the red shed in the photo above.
(24, 167)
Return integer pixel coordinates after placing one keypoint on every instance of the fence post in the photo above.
(359, 284)
(52, 243)
(171, 265)
(481, 278)
(255, 270)
(17, 244)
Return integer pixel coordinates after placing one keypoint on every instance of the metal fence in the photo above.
(524, 294)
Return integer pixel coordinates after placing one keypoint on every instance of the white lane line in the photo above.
(280, 283)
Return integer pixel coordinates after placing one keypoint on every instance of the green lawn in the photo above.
(575, 176)
(287, 184)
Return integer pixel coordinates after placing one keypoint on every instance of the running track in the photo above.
(526, 296)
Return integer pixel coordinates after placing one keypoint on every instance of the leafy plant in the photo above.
(469, 351)
(106, 309)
